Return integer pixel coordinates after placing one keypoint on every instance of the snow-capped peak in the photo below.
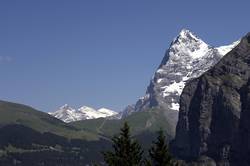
(65, 107)
(106, 111)
(187, 57)
(65, 113)
(188, 44)
(185, 33)
(68, 114)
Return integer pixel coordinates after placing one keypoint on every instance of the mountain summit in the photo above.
(68, 114)
(187, 58)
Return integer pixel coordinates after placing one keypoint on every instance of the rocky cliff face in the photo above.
(214, 116)
(187, 57)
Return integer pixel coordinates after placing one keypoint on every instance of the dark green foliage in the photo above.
(126, 151)
(29, 147)
(147, 162)
(159, 152)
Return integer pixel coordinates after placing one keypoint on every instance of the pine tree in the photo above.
(126, 151)
(159, 153)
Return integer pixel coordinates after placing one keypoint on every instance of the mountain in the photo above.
(213, 125)
(29, 137)
(13, 113)
(68, 114)
(187, 58)
(140, 122)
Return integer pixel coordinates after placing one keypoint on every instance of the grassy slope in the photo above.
(140, 122)
(12, 113)
(143, 126)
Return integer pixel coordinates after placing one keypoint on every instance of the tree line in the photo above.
(128, 152)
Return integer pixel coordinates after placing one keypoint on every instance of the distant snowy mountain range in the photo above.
(69, 114)
(187, 58)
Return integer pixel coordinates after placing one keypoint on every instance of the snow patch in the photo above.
(174, 88)
(175, 106)
(226, 49)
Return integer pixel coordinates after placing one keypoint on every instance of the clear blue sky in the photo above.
(100, 53)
